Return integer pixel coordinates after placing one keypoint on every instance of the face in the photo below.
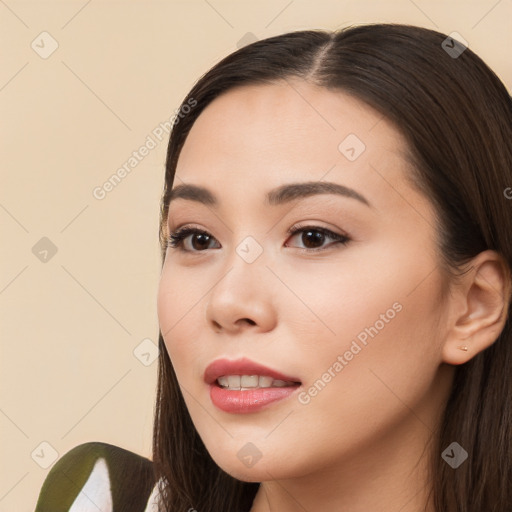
(340, 292)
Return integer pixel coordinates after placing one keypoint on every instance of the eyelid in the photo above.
(301, 227)
(179, 235)
(313, 225)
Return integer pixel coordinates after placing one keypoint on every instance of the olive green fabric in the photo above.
(130, 477)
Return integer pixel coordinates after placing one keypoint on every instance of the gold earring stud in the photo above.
(464, 347)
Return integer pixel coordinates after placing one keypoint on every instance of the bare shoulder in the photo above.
(98, 476)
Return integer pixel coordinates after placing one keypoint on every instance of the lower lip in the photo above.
(248, 400)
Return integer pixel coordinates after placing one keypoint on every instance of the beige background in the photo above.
(70, 324)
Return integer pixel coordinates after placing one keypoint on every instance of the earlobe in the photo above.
(480, 307)
(458, 353)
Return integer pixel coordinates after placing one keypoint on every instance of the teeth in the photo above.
(241, 382)
(265, 382)
(249, 381)
(234, 381)
(223, 381)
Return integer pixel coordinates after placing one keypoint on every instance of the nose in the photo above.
(242, 298)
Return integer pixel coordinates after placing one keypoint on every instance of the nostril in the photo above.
(218, 327)
(246, 320)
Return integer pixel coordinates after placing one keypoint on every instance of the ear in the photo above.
(478, 307)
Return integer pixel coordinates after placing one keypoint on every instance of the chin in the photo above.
(247, 476)
(259, 469)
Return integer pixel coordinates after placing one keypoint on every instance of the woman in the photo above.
(334, 303)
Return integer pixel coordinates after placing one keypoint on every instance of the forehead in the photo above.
(257, 137)
(291, 111)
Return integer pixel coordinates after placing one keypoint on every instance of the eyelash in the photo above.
(176, 238)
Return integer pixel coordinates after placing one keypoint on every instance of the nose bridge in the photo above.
(250, 250)
(245, 266)
(248, 232)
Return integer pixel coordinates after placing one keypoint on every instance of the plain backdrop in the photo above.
(83, 84)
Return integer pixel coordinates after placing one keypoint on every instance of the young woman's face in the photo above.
(357, 324)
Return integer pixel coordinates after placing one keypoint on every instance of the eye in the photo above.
(313, 237)
(199, 239)
(193, 240)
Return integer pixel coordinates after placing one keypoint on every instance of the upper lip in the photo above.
(242, 366)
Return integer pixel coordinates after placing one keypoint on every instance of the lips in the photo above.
(243, 366)
(238, 399)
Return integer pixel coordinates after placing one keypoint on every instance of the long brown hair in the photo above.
(456, 116)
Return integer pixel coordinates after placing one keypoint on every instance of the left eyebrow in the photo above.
(292, 191)
(280, 195)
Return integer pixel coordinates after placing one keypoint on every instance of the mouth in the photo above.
(244, 373)
(245, 382)
(243, 386)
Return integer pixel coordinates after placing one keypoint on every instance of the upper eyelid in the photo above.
(300, 227)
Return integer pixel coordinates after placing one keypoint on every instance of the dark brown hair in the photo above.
(456, 116)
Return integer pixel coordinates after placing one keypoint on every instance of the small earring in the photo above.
(463, 347)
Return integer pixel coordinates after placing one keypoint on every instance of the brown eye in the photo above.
(199, 239)
(313, 237)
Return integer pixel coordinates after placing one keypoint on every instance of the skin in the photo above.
(362, 443)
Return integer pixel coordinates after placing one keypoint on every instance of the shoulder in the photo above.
(98, 476)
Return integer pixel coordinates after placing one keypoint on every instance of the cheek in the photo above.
(373, 329)
(361, 384)
(178, 308)
(389, 283)
(384, 351)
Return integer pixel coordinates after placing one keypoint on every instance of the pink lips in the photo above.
(249, 400)
(242, 366)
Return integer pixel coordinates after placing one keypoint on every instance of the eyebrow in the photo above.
(277, 196)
